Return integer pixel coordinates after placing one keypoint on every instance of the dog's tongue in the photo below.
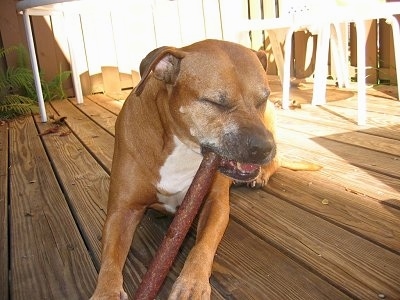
(247, 168)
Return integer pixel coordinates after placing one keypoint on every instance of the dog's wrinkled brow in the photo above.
(219, 97)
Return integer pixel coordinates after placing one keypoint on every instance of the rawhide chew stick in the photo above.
(166, 253)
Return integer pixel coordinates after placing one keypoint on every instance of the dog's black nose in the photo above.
(253, 145)
(261, 148)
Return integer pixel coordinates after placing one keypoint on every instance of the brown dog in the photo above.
(212, 94)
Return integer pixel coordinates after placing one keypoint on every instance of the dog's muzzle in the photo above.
(243, 154)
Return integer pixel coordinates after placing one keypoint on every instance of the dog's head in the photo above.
(217, 94)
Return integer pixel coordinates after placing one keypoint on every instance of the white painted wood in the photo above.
(134, 34)
(191, 21)
(166, 23)
(232, 15)
(99, 40)
(212, 19)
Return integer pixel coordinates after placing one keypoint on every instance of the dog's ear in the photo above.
(164, 62)
(262, 56)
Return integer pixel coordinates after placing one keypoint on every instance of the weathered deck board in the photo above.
(282, 241)
(4, 239)
(247, 266)
(96, 140)
(345, 259)
(355, 213)
(49, 259)
(355, 138)
(355, 169)
(335, 117)
(382, 105)
(107, 102)
(98, 114)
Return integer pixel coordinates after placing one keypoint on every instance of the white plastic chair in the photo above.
(309, 15)
(357, 11)
(305, 15)
(323, 18)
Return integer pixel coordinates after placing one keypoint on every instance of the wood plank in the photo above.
(84, 182)
(340, 116)
(100, 143)
(248, 267)
(360, 139)
(4, 238)
(11, 33)
(107, 102)
(102, 117)
(345, 153)
(121, 96)
(354, 212)
(111, 79)
(379, 110)
(345, 168)
(47, 261)
(45, 47)
(356, 266)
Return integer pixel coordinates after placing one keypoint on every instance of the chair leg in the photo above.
(339, 53)
(396, 42)
(321, 66)
(35, 68)
(361, 41)
(286, 68)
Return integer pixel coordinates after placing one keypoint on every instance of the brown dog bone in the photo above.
(166, 253)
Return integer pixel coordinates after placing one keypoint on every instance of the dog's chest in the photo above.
(176, 175)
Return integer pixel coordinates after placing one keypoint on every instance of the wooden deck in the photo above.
(331, 234)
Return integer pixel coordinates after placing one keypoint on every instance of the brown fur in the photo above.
(209, 94)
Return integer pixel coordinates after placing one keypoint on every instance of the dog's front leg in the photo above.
(117, 238)
(193, 282)
(125, 211)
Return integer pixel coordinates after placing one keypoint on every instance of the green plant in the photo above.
(17, 90)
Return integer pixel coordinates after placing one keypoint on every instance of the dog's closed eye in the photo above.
(262, 100)
(220, 102)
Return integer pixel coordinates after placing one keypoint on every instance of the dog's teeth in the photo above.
(246, 168)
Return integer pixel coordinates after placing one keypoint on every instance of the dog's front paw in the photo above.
(266, 172)
(260, 181)
(257, 183)
(119, 295)
(184, 288)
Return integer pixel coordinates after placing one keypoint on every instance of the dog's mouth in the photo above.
(238, 171)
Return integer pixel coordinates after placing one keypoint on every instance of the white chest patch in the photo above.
(176, 175)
